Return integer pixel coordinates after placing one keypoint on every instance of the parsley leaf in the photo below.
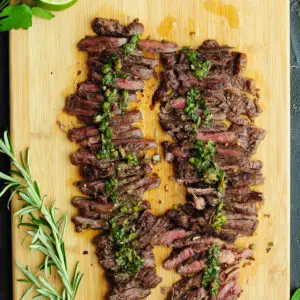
(42, 13)
(296, 295)
(20, 16)
(15, 17)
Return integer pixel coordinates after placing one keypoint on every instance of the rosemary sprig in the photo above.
(46, 230)
(3, 4)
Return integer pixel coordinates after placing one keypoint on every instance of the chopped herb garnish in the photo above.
(123, 103)
(108, 150)
(122, 75)
(108, 79)
(218, 220)
(131, 45)
(111, 189)
(128, 260)
(117, 232)
(131, 159)
(212, 271)
(122, 232)
(122, 228)
(195, 102)
(117, 65)
(206, 166)
(110, 71)
(200, 67)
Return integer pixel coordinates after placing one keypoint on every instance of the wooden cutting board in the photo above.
(45, 67)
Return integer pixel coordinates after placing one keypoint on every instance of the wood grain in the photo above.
(44, 65)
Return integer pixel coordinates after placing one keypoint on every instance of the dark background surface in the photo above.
(5, 231)
(295, 144)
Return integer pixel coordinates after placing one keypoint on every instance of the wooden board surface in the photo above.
(44, 65)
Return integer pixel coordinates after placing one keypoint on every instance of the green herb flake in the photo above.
(110, 73)
(131, 159)
(206, 166)
(107, 150)
(108, 80)
(199, 67)
(111, 185)
(123, 103)
(122, 232)
(117, 231)
(131, 45)
(128, 260)
(194, 103)
(117, 65)
(212, 271)
(218, 220)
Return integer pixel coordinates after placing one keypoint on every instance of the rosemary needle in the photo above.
(46, 230)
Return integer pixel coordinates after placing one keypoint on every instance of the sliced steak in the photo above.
(130, 145)
(191, 268)
(97, 44)
(111, 27)
(170, 236)
(88, 223)
(157, 47)
(132, 133)
(218, 137)
(91, 209)
(173, 262)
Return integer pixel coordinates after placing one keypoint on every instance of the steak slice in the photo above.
(130, 145)
(132, 133)
(212, 47)
(79, 106)
(97, 44)
(236, 179)
(132, 293)
(129, 84)
(113, 28)
(218, 137)
(149, 278)
(170, 236)
(157, 47)
(136, 58)
(85, 157)
(176, 260)
(88, 223)
(187, 288)
(169, 59)
(248, 136)
(151, 228)
(138, 71)
(132, 116)
(124, 170)
(249, 209)
(191, 268)
(91, 209)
